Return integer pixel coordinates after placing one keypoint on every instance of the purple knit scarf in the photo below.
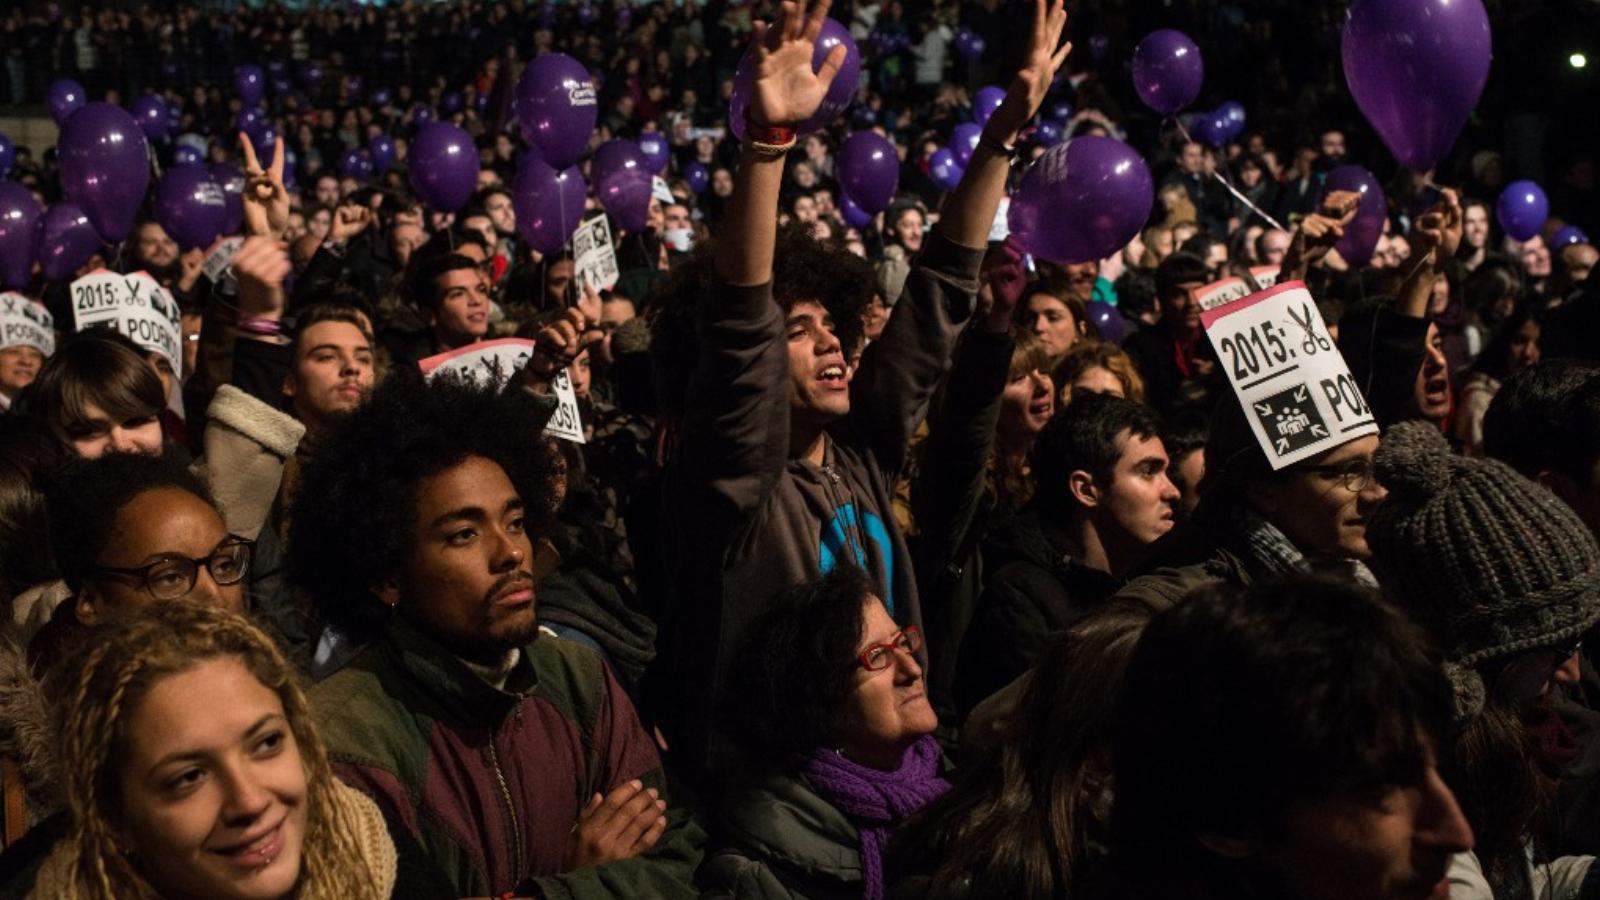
(876, 800)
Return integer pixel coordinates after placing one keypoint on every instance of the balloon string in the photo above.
(1231, 189)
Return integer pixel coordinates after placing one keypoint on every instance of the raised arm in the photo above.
(1435, 237)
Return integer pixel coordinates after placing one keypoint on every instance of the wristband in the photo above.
(260, 325)
(997, 146)
(768, 140)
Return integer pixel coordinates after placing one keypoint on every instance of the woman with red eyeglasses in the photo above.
(831, 707)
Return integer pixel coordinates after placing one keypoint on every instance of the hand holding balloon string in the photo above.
(1318, 233)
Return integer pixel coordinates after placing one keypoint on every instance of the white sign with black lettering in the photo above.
(495, 362)
(135, 305)
(24, 323)
(1265, 276)
(594, 257)
(219, 258)
(1220, 293)
(1295, 388)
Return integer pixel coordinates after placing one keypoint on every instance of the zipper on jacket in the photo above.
(511, 811)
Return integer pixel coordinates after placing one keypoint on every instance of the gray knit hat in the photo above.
(1491, 562)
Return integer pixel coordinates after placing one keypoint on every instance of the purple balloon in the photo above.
(357, 164)
(450, 103)
(1565, 236)
(653, 144)
(19, 233)
(1416, 69)
(698, 176)
(1233, 113)
(854, 215)
(421, 115)
(840, 94)
(1361, 235)
(352, 86)
(232, 181)
(443, 162)
(969, 45)
(548, 203)
(963, 140)
(8, 155)
(276, 67)
(556, 108)
(381, 149)
(944, 169)
(191, 206)
(869, 170)
(66, 241)
(1110, 324)
(1522, 209)
(250, 120)
(311, 75)
(183, 154)
(1211, 128)
(624, 18)
(1099, 46)
(985, 102)
(1167, 70)
(380, 97)
(105, 167)
(1061, 111)
(250, 84)
(622, 182)
(64, 98)
(1047, 133)
(1082, 200)
(152, 115)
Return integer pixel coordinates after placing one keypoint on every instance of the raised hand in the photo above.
(1318, 233)
(1044, 57)
(266, 201)
(786, 92)
(1006, 281)
(349, 220)
(1438, 231)
(260, 267)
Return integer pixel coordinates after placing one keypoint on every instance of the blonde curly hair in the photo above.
(98, 688)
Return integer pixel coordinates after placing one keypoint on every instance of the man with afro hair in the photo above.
(517, 761)
(786, 447)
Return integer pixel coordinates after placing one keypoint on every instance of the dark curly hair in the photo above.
(803, 269)
(794, 666)
(351, 525)
(83, 497)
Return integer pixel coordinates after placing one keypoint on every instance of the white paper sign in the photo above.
(660, 190)
(1265, 276)
(220, 257)
(495, 362)
(135, 305)
(1295, 388)
(24, 323)
(594, 258)
(1219, 293)
(1000, 228)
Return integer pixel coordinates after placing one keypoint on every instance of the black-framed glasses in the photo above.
(878, 657)
(1355, 474)
(173, 576)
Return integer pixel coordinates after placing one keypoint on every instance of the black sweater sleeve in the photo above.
(259, 369)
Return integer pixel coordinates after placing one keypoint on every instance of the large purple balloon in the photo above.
(869, 170)
(1416, 69)
(191, 206)
(8, 155)
(64, 98)
(443, 162)
(622, 182)
(19, 233)
(357, 164)
(548, 203)
(698, 176)
(556, 108)
(963, 140)
(944, 169)
(153, 116)
(250, 120)
(854, 215)
(66, 241)
(1233, 113)
(1211, 128)
(653, 144)
(232, 181)
(840, 94)
(382, 150)
(1566, 236)
(1082, 200)
(985, 102)
(1167, 70)
(1361, 235)
(1047, 133)
(249, 84)
(1522, 209)
(105, 167)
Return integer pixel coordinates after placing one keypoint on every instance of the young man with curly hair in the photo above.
(517, 761)
(786, 454)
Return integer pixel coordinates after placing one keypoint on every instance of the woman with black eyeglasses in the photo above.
(831, 707)
(1507, 577)
(126, 530)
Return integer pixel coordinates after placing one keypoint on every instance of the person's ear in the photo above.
(388, 593)
(88, 605)
(1262, 497)
(1083, 489)
(288, 388)
(1226, 847)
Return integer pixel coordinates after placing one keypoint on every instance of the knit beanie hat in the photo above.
(1492, 563)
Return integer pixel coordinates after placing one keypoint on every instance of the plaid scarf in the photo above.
(1274, 554)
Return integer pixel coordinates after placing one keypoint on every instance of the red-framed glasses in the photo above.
(878, 657)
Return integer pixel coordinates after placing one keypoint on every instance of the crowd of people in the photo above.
(893, 562)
